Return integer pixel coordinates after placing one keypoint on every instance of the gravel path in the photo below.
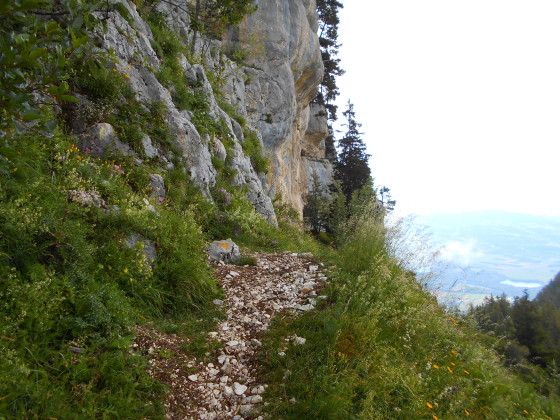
(228, 386)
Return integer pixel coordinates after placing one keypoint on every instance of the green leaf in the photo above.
(68, 98)
(123, 11)
(39, 52)
(93, 68)
(80, 41)
(29, 116)
(74, 39)
(78, 22)
(63, 87)
(51, 27)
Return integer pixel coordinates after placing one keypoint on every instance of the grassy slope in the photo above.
(382, 348)
(68, 280)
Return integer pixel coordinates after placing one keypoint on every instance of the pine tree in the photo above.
(316, 211)
(328, 36)
(352, 169)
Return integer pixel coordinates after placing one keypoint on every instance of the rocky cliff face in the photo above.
(284, 79)
(273, 89)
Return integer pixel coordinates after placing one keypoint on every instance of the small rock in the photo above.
(257, 399)
(218, 302)
(300, 341)
(234, 273)
(313, 268)
(281, 354)
(246, 410)
(239, 389)
(193, 378)
(292, 400)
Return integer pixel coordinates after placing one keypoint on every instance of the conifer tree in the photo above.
(328, 90)
(316, 211)
(352, 169)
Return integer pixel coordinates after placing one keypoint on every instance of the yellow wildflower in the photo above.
(436, 367)
(525, 411)
(434, 417)
(467, 412)
(453, 351)
(466, 372)
(449, 369)
(429, 405)
(452, 364)
(15, 169)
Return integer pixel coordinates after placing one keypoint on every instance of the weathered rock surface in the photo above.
(226, 251)
(280, 85)
(274, 90)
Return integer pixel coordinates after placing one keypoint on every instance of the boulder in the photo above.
(226, 251)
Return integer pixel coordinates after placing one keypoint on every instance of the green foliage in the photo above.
(252, 147)
(352, 169)
(36, 58)
(529, 331)
(382, 348)
(69, 281)
(328, 36)
(212, 17)
(316, 210)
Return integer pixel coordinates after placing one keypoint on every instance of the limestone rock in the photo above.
(149, 149)
(157, 186)
(100, 140)
(280, 84)
(146, 246)
(226, 251)
(272, 93)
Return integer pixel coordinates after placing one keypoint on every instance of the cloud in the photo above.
(461, 253)
(521, 284)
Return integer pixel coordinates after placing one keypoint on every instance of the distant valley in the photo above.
(493, 252)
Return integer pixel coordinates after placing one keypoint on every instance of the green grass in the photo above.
(382, 348)
(69, 280)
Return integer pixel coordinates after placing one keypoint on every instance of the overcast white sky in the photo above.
(459, 100)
